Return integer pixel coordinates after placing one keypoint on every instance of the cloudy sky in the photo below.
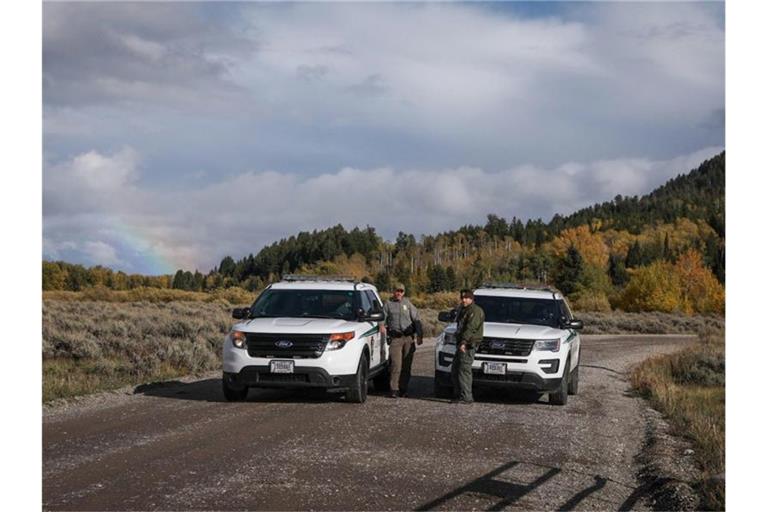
(176, 134)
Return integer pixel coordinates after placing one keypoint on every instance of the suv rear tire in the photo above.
(381, 381)
(442, 391)
(359, 392)
(560, 397)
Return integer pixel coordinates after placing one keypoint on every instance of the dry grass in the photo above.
(689, 388)
(619, 322)
(440, 301)
(233, 295)
(91, 346)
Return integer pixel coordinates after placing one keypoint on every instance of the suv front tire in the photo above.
(231, 394)
(359, 392)
(560, 397)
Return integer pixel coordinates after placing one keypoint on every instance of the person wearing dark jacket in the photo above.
(403, 324)
(469, 335)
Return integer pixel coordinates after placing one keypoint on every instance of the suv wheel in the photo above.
(442, 391)
(573, 382)
(560, 397)
(381, 380)
(231, 394)
(359, 392)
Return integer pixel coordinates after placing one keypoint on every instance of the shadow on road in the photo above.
(209, 390)
(496, 485)
(420, 388)
(603, 368)
(490, 485)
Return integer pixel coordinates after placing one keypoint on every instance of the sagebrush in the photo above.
(689, 388)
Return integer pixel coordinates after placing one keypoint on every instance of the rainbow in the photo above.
(138, 249)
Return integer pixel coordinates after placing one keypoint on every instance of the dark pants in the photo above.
(461, 374)
(401, 352)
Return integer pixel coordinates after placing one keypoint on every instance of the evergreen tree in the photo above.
(634, 257)
(451, 282)
(570, 271)
(617, 271)
(438, 279)
(227, 266)
(383, 281)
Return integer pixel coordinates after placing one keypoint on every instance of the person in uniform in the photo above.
(402, 324)
(469, 335)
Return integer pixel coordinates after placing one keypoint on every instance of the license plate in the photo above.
(281, 366)
(495, 368)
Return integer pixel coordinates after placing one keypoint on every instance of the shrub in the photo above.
(689, 388)
(232, 295)
(440, 300)
(688, 286)
(655, 287)
(90, 346)
(590, 301)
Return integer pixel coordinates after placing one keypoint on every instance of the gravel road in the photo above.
(180, 446)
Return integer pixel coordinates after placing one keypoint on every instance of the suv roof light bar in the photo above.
(297, 277)
(513, 286)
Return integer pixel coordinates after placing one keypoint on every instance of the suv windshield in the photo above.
(306, 303)
(518, 310)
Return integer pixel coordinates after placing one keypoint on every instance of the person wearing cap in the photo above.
(469, 335)
(402, 324)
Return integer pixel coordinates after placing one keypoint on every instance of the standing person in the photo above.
(402, 324)
(469, 335)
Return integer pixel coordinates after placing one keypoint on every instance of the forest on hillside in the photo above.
(664, 251)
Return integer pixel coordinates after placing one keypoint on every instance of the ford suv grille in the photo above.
(295, 346)
(505, 347)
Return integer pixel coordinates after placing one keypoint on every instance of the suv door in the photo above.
(379, 350)
(565, 311)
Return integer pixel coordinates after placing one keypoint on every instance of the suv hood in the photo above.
(286, 325)
(516, 331)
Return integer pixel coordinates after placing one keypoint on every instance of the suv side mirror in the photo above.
(372, 316)
(573, 324)
(375, 316)
(447, 316)
(240, 313)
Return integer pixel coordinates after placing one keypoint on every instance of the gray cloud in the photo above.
(241, 214)
(97, 53)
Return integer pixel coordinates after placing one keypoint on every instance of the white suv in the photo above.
(308, 332)
(530, 341)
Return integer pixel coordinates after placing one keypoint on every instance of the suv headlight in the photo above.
(449, 338)
(238, 338)
(547, 345)
(338, 340)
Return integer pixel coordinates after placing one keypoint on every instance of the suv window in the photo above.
(565, 312)
(365, 302)
(375, 304)
(306, 303)
(519, 310)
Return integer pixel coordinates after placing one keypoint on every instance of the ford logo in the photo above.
(497, 345)
(284, 344)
